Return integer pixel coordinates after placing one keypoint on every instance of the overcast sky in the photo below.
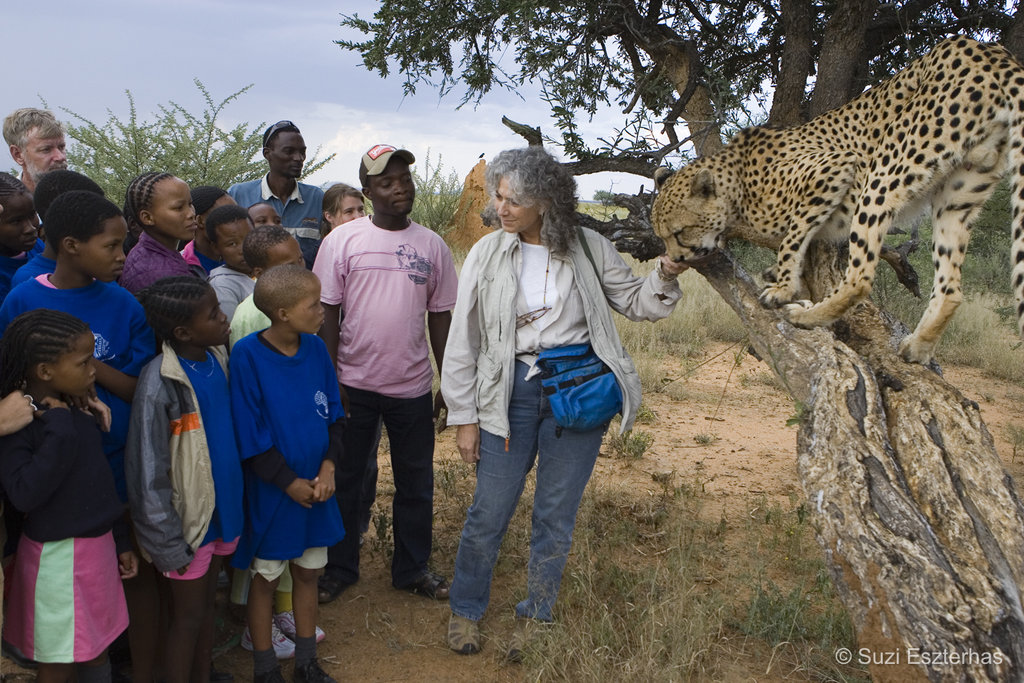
(82, 56)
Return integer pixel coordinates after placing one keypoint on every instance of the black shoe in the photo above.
(311, 673)
(15, 655)
(329, 587)
(270, 677)
(429, 585)
(220, 676)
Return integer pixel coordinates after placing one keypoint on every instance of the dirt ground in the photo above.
(724, 425)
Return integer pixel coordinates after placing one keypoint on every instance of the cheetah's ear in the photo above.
(661, 174)
(703, 184)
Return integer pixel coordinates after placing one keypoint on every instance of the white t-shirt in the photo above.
(537, 283)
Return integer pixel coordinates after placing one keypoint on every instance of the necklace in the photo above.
(530, 316)
(200, 367)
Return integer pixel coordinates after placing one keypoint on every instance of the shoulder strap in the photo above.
(586, 250)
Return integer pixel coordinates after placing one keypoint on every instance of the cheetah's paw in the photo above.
(805, 314)
(914, 350)
(776, 295)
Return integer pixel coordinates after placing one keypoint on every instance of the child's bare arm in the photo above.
(115, 381)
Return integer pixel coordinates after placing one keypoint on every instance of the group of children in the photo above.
(135, 402)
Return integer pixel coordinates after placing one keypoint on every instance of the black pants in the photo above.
(410, 426)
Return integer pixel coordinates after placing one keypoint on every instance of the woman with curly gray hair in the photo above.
(538, 283)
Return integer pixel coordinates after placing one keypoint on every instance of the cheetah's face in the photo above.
(689, 215)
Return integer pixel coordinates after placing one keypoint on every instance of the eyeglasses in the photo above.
(528, 317)
(279, 126)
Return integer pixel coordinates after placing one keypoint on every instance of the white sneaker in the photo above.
(284, 647)
(286, 622)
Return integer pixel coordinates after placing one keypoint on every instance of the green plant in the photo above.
(1016, 436)
(705, 438)
(631, 444)
(192, 146)
(437, 195)
(645, 416)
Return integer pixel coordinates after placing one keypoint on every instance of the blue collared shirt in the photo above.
(300, 212)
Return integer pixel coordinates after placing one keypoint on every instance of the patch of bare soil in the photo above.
(722, 426)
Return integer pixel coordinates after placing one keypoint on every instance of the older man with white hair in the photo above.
(36, 140)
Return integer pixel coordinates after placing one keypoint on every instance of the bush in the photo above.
(191, 146)
(437, 195)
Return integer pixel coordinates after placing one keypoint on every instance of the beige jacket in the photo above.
(479, 359)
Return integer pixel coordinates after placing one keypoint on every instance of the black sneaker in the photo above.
(270, 677)
(311, 673)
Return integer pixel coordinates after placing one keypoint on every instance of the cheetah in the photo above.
(941, 132)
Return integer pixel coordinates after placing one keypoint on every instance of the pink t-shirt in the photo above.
(385, 282)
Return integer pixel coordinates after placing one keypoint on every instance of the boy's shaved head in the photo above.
(283, 287)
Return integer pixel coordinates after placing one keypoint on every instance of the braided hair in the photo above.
(171, 302)
(139, 197)
(9, 185)
(204, 197)
(37, 336)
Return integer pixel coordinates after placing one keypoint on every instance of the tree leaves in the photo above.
(192, 146)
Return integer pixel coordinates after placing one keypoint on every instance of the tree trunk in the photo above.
(679, 60)
(841, 57)
(1013, 38)
(797, 63)
(920, 524)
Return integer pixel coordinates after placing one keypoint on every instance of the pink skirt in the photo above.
(66, 601)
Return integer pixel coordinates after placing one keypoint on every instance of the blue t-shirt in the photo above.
(37, 265)
(9, 265)
(208, 263)
(287, 402)
(211, 387)
(124, 341)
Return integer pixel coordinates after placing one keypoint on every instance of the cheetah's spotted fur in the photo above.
(942, 131)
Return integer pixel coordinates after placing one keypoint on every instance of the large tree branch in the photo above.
(920, 523)
(632, 234)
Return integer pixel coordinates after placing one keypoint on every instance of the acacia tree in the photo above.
(193, 146)
(689, 64)
(921, 526)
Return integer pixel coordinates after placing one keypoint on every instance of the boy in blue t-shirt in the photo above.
(289, 422)
(87, 233)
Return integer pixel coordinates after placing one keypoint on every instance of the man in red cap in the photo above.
(389, 273)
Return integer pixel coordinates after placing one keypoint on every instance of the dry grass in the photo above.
(657, 588)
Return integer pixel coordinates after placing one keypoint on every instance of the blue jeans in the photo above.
(565, 460)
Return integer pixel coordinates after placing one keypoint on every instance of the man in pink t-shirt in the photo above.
(385, 272)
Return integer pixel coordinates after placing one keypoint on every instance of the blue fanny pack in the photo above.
(581, 389)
